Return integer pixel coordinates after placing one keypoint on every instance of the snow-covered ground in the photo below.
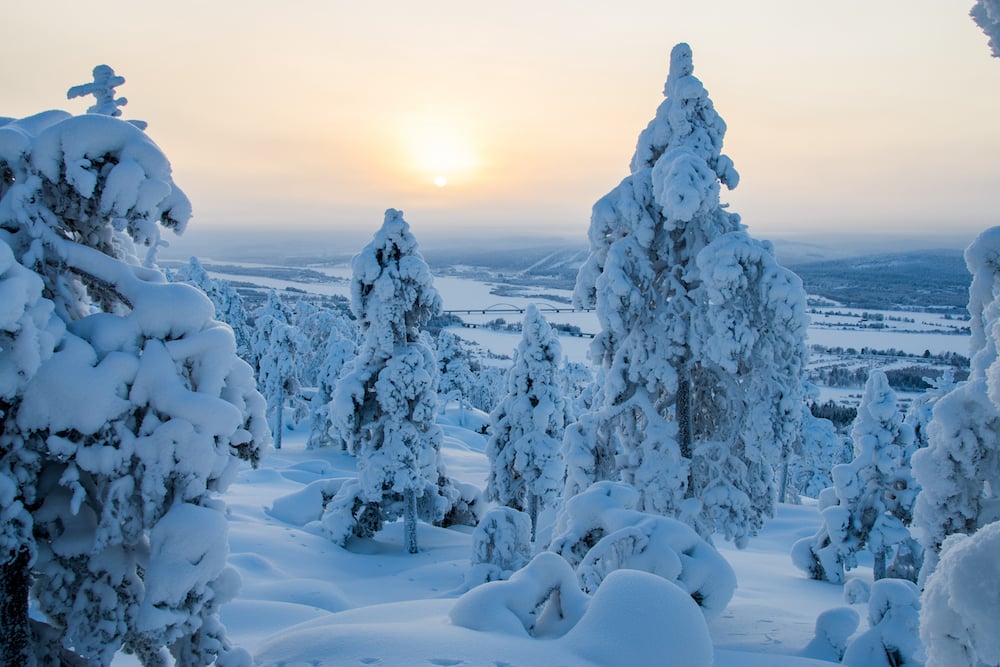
(306, 601)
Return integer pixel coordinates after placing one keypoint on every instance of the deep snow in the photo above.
(306, 601)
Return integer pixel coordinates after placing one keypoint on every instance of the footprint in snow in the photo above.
(445, 662)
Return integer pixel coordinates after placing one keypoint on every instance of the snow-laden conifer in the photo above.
(386, 400)
(135, 416)
(874, 491)
(339, 347)
(526, 470)
(454, 369)
(700, 397)
(959, 470)
(229, 305)
(275, 346)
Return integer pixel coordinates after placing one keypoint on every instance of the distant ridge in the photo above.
(917, 279)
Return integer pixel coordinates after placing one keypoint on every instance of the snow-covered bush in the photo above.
(599, 531)
(139, 409)
(823, 556)
(526, 470)
(634, 618)
(834, 628)
(961, 604)
(892, 638)
(541, 599)
(386, 399)
(501, 545)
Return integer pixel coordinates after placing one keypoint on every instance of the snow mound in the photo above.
(636, 618)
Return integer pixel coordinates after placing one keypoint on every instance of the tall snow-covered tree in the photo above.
(526, 470)
(274, 344)
(130, 414)
(699, 397)
(959, 470)
(386, 399)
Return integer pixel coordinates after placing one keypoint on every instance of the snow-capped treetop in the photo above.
(392, 284)
(986, 14)
(103, 89)
(685, 138)
(93, 180)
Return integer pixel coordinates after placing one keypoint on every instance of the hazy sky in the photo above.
(856, 115)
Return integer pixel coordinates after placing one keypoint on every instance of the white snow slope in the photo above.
(308, 602)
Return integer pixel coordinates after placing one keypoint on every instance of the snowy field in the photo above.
(306, 601)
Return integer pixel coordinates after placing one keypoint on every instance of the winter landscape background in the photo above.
(351, 604)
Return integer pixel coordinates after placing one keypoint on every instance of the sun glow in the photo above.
(441, 150)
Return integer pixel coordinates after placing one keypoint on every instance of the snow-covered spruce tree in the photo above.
(454, 369)
(921, 409)
(820, 448)
(526, 470)
(386, 399)
(876, 487)
(752, 336)
(274, 344)
(122, 439)
(340, 347)
(875, 492)
(959, 470)
(986, 14)
(229, 306)
(701, 414)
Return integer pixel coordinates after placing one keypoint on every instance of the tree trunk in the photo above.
(533, 514)
(410, 520)
(683, 408)
(15, 631)
(878, 565)
(279, 418)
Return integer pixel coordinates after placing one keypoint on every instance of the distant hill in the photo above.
(918, 279)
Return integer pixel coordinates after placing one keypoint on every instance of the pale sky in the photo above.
(856, 115)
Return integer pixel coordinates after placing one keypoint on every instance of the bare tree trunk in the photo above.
(15, 631)
(878, 565)
(533, 514)
(279, 418)
(410, 520)
(684, 430)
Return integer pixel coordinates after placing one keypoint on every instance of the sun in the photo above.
(441, 150)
